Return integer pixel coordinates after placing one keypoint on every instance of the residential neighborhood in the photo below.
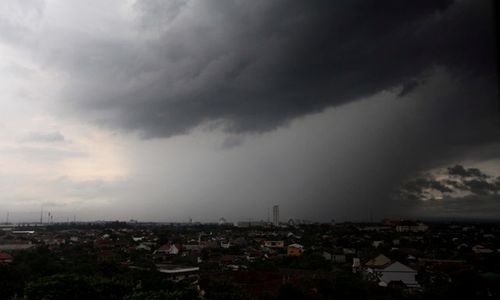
(396, 259)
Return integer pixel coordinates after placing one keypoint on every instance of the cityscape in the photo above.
(390, 259)
(249, 149)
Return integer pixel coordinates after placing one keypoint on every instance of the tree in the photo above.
(60, 287)
(11, 282)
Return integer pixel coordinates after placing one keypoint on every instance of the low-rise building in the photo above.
(178, 273)
(395, 273)
(168, 249)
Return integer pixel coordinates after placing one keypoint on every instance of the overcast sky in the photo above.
(170, 110)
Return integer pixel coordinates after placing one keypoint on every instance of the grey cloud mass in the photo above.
(253, 66)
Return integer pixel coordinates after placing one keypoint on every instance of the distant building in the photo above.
(480, 249)
(246, 224)
(274, 244)
(192, 247)
(178, 273)
(335, 257)
(143, 247)
(395, 273)
(411, 226)
(388, 272)
(168, 249)
(23, 231)
(356, 265)
(276, 215)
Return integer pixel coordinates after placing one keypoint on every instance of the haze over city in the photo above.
(176, 110)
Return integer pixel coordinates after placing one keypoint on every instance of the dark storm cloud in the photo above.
(413, 84)
(232, 141)
(253, 66)
(416, 186)
(459, 170)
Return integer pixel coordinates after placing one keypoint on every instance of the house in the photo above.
(225, 245)
(295, 250)
(5, 257)
(356, 265)
(387, 272)
(395, 273)
(143, 246)
(178, 273)
(168, 249)
(480, 249)
(138, 239)
(192, 247)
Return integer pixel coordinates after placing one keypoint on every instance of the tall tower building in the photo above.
(276, 215)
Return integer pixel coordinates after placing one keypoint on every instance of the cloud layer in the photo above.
(189, 108)
(250, 67)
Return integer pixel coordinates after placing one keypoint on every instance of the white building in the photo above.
(395, 272)
(398, 272)
(178, 273)
(168, 249)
